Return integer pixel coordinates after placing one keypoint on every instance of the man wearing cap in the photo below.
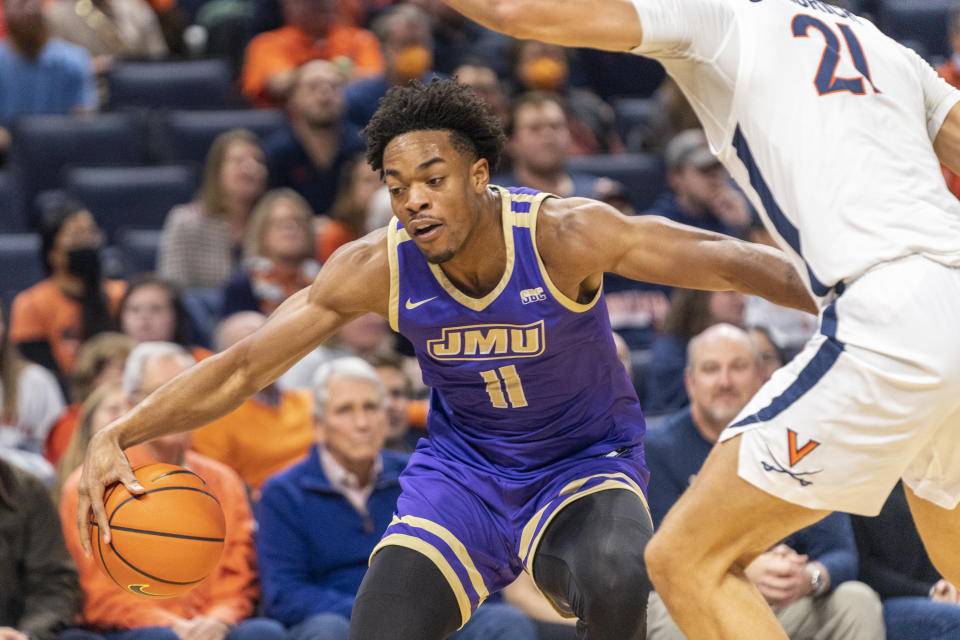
(700, 191)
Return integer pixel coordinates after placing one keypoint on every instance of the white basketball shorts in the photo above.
(874, 396)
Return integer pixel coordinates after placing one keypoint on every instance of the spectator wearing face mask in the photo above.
(543, 67)
(50, 319)
(404, 32)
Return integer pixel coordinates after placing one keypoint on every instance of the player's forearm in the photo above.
(759, 270)
(203, 393)
(947, 142)
(612, 25)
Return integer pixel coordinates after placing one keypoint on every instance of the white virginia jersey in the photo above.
(826, 123)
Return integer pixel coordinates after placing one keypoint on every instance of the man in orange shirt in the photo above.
(218, 608)
(267, 432)
(311, 32)
(50, 319)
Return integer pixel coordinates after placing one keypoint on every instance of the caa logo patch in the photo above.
(488, 342)
(532, 295)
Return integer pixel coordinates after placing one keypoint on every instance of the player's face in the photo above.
(434, 191)
(723, 376)
(354, 424)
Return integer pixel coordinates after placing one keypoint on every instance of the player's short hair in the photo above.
(349, 367)
(442, 105)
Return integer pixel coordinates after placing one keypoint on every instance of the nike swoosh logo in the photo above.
(414, 305)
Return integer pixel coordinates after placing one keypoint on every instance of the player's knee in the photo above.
(617, 574)
(658, 558)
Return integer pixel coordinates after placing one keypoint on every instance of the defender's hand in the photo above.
(104, 464)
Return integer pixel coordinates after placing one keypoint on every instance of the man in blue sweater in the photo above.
(320, 518)
(808, 578)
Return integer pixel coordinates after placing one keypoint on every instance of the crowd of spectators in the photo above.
(307, 469)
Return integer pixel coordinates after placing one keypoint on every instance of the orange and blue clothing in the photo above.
(530, 409)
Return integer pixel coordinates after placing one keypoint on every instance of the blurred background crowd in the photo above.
(172, 170)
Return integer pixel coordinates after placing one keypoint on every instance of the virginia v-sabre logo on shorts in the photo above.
(488, 342)
(796, 455)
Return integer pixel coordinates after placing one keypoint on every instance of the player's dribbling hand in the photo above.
(9, 633)
(104, 464)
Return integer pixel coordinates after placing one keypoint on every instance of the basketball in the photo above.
(165, 541)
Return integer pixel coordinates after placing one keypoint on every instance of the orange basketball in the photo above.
(165, 541)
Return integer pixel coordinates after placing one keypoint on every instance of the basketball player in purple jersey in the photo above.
(535, 455)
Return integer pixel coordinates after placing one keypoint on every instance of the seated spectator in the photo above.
(219, 606)
(50, 319)
(100, 362)
(38, 581)
(543, 67)
(104, 405)
(279, 255)
(313, 152)
(108, 29)
(152, 311)
(456, 37)
(201, 241)
(700, 193)
(917, 601)
(38, 73)
(538, 145)
(483, 79)
(320, 520)
(351, 215)
(690, 313)
(265, 433)
(30, 403)
(399, 401)
(312, 31)
(407, 45)
(808, 578)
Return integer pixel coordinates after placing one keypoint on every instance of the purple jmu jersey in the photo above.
(523, 377)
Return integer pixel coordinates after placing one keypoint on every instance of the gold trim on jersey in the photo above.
(572, 305)
(529, 543)
(434, 555)
(479, 304)
(393, 241)
(456, 546)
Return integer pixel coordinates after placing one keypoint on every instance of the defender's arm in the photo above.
(947, 142)
(354, 281)
(612, 25)
(580, 238)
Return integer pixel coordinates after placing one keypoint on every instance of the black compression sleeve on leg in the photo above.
(403, 597)
(591, 555)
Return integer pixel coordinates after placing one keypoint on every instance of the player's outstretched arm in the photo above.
(354, 281)
(580, 238)
(612, 25)
(947, 142)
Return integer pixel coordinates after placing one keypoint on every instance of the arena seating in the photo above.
(44, 145)
(642, 173)
(131, 197)
(185, 136)
(189, 84)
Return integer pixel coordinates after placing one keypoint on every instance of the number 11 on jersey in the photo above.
(496, 380)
